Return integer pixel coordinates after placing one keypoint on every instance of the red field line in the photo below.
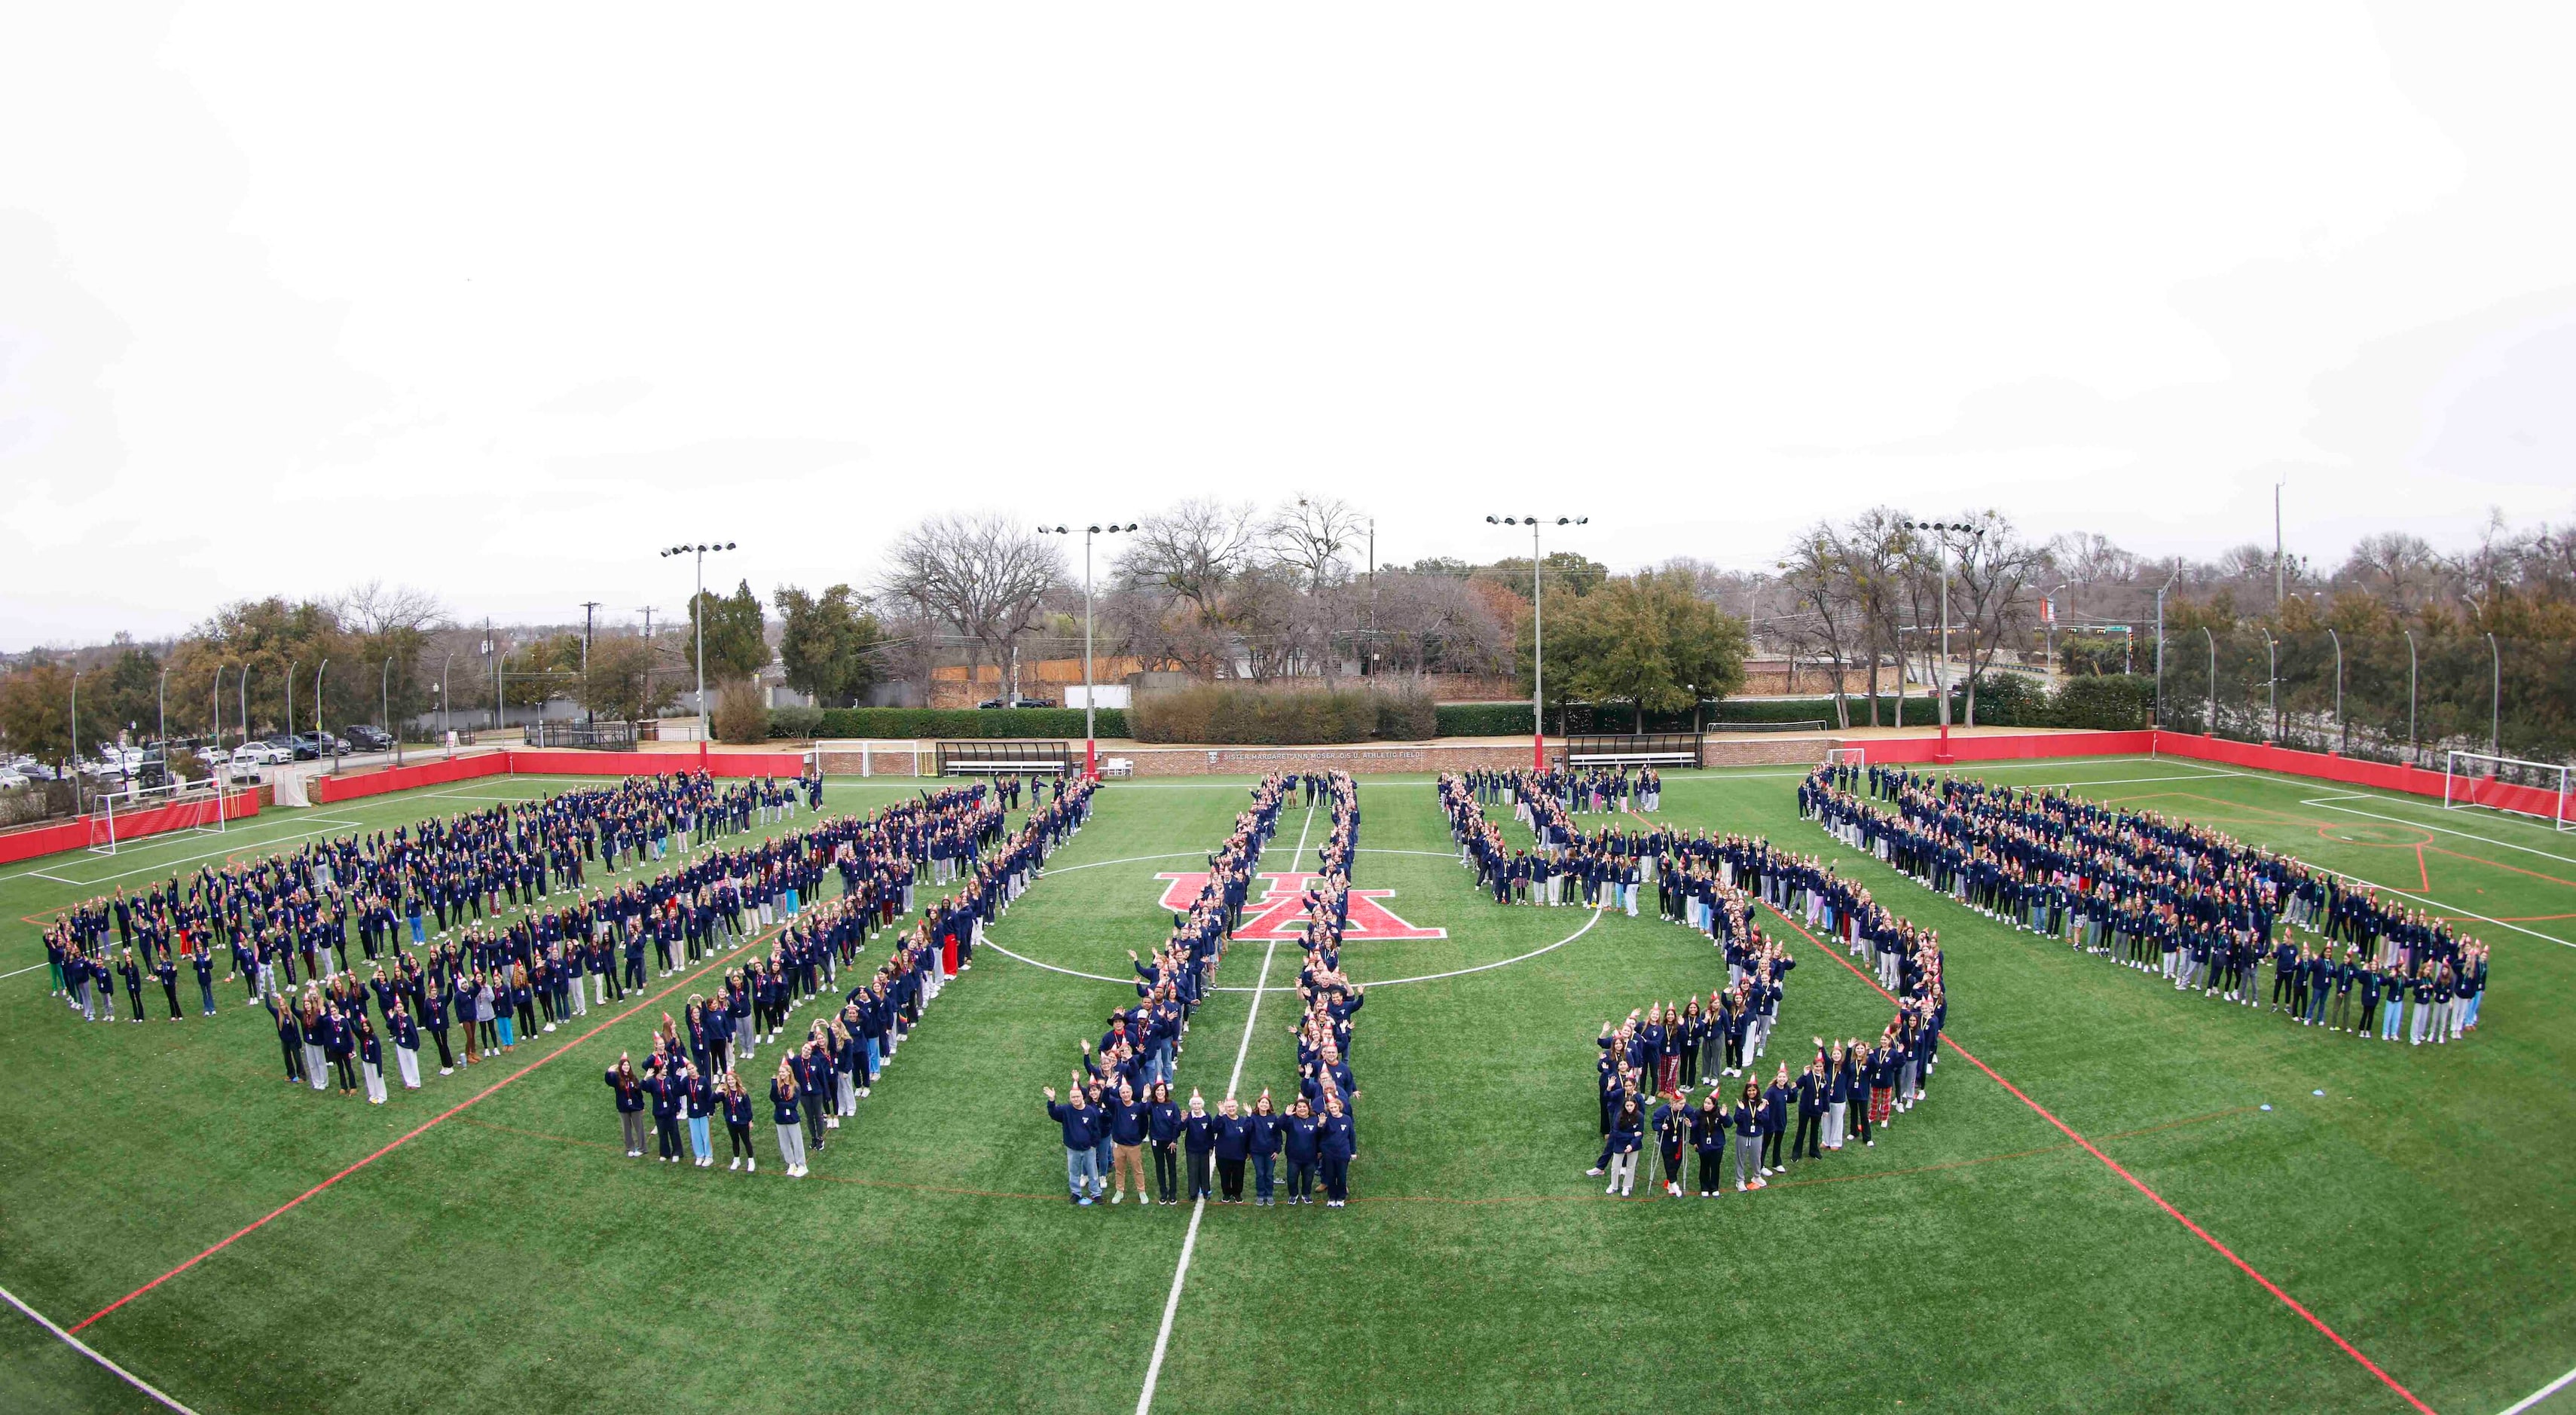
(827, 1178)
(404, 1139)
(2134, 1182)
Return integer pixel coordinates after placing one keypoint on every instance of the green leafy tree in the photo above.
(737, 642)
(35, 711)
(620, 685)
(827, 644)
(1647, 640)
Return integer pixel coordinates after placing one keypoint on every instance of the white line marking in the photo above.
(243, 848)
(28, 969)
(1198, 1210)
(1504, 963)
(2329, 803)
(138, 1382)
(2541, 1394)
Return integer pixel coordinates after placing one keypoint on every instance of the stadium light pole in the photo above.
(161, 703)
(244, 688)
(75, 763)
(2211, 726)
(2160, 643)
(2495, 699)
(215, 711)
(1941, 532)
(2048, 629)
(1538, 632)
(318, 730)
(2410, 694)
(385, 690)
(2272, 649)
(290, 709)
(2343, 734)
(1090, 742)
(698, 616)
(446, 713)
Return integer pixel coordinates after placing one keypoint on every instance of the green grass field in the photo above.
(510, 1256)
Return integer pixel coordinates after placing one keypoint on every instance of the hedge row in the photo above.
(1269, 714)
(1483, 719)
(908, 724)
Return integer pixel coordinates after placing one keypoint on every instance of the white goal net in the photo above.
(1846, 756)
(2537, 790)
(126, 815)
(852, 756)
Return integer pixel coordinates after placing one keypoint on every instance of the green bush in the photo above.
(1483, 720)
(910, 724)
(2120, 702)
(740, 715)
(1406, 713)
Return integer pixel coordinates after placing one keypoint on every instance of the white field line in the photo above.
(1198, 1210)
(321, 827)
(2541, 1394)
(2328, 802)
(138, 1382)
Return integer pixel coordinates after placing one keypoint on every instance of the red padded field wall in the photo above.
(2325, 766)
(327, 790)
(2016, 747)
(75, 834)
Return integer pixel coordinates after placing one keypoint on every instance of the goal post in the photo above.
(2538, 790)
(124, 816)
(1846, 756)
(868, 756)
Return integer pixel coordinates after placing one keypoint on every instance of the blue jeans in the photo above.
(699, 1145)
(1261, 1180)
(1104, 1162)
(1081, 1168)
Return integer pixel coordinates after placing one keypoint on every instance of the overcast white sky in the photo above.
(496, 300)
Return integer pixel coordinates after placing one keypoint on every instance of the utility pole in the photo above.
(2280, 575)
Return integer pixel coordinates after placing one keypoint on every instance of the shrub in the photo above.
(1271, 714)
(1406, 713)
(798, 722)
(924, 724)
(2119, 702)
(740, 715)
(1484, 719)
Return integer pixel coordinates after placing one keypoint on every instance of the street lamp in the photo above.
(215, 715)
(322, 738)
(2343, 734)
(2048, 630)
(290, 709)
(385, 688)
(1941, 533)
(2160, 643)
(1538, 633)
(2272, 650)
(2212, 725)
(446, 717)
(1090, 743)
(698, 615)
(2410, 697)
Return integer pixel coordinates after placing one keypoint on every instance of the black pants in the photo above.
(446, 1062)
(1810, 1133)
(1167, 1171)
(814, 1117)
(1229, 1174)
(1771, 1150)
(1301, 1181)
(666, 1134)
(739, 1136)
(172, 990)
(348, 1073)
(1199, 1174)
(1337, 1177)
(1712, 1170)
(294, 1058)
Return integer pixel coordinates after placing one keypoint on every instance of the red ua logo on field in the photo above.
(1280, 913)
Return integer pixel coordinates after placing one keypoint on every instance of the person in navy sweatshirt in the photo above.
(1233, 1146)
(669, 1094)
(787, 1120)
(737, 1114)
(1339, 1143)
(1627, 1137)
(1708, 1125)
(1198, 1139)
(1073, 1115)
(701, 1098)
(1163, 1128)
(1262, 1141)
(1127, 1121)
(1747, 1120)
(1301, 1138)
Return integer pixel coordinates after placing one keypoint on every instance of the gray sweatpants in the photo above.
(1748, 1159)
(632, 1121)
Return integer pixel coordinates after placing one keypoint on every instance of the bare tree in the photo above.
(1814, 572)
(985, 575)
(1186, 564)
(2400, 569)
(1311, 533)
(1994, 570)
(375, 608)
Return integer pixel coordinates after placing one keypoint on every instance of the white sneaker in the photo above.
(736, 1165)
(1595, 1171)
(751, 1166)
(1118, 1198)
(1613, 1189)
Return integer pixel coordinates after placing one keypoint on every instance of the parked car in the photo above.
(295, 748)
(11, 779)
(320, 744)
(1014, 703)
(260, 754)
(369, 739)
(34, 770)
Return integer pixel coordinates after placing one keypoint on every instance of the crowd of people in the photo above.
(694, 1064)
(2167, 897)
(1653, 1062)
(1124, 1103)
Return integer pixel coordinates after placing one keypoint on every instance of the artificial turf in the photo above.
(510, 1256)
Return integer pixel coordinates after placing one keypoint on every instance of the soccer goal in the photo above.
(1846, 756)
(852, 756)
(127, 815)
(2536, 789)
